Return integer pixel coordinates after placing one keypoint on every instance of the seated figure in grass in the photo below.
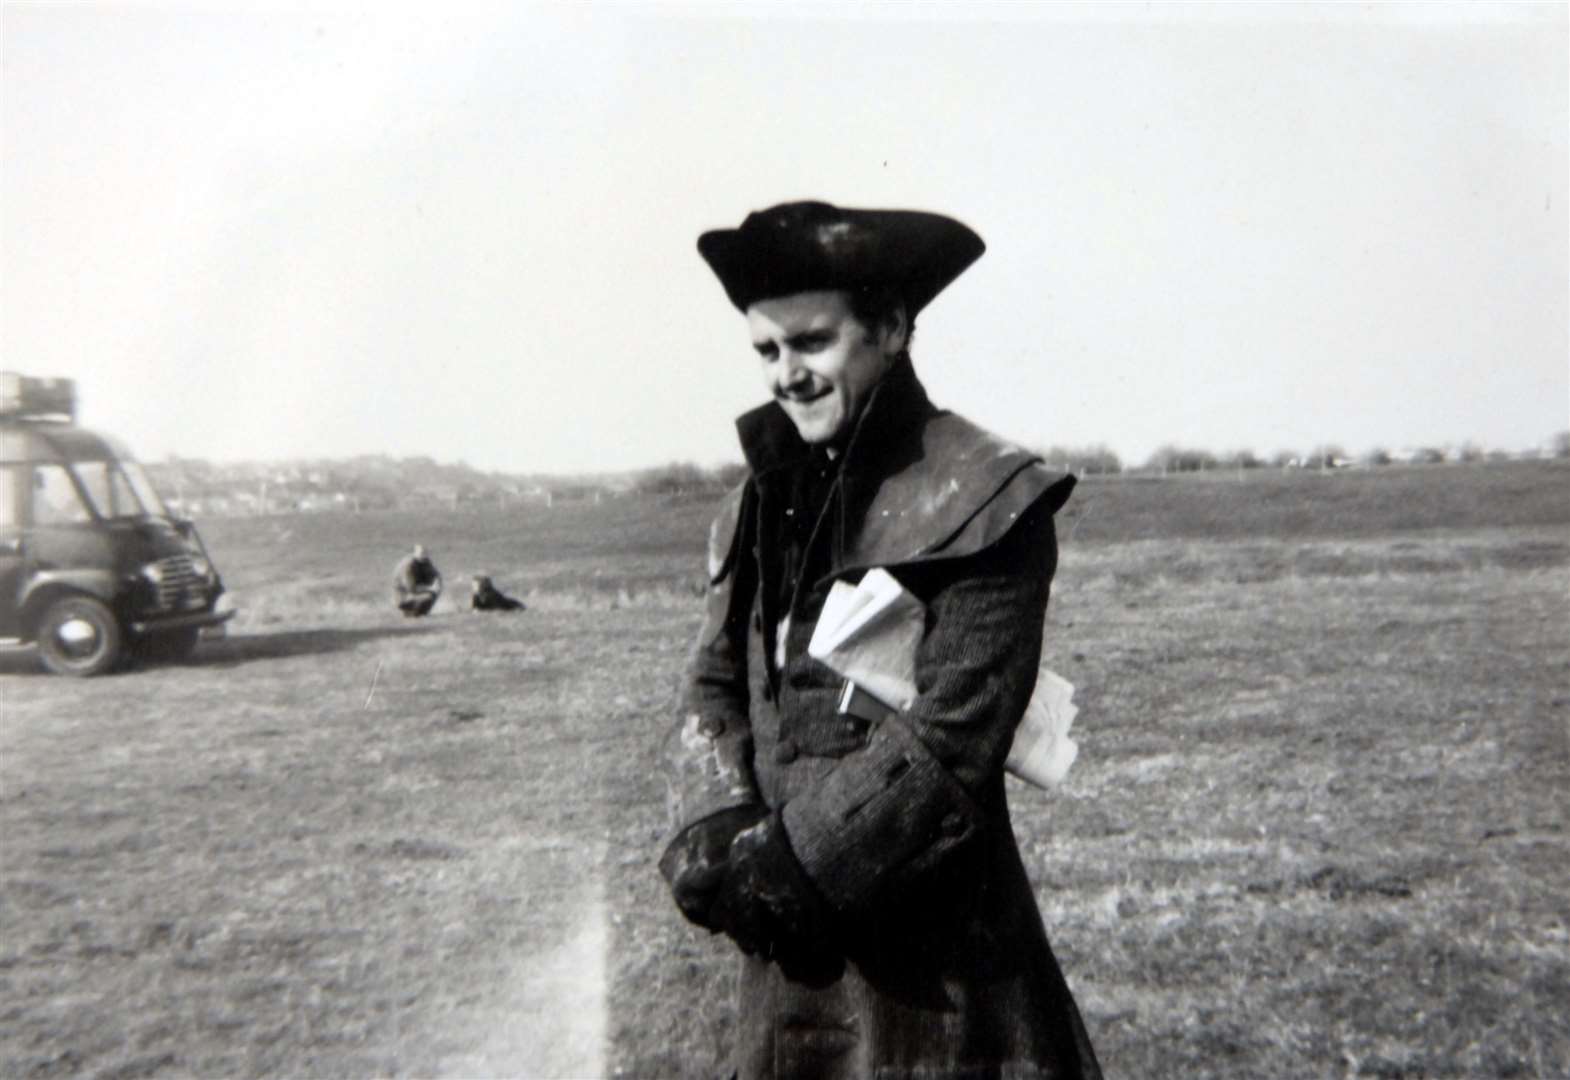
(416, 583)
(485, 596)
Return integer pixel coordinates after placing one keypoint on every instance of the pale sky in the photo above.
(266, 232)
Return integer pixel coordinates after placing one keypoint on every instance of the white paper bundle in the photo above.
(1042, 751)
(869, 633)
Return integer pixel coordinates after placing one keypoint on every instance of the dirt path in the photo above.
(549, 1020)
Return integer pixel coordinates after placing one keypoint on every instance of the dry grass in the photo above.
(238, 868)
(1317, 827)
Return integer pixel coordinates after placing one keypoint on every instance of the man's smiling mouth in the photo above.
(806, 399)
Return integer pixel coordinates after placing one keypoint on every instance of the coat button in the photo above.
(712, 726)
(953, 824)
(785, 752)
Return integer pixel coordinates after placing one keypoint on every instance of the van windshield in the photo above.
(144, 489)
(119, 489)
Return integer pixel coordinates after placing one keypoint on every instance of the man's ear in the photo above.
(895, 333)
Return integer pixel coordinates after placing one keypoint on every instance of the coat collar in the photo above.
(897, 406)
(917, 483)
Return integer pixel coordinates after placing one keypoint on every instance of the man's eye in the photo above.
(768, 352)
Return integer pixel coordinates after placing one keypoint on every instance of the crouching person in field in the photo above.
(416, 583)
(867, 870)
(485, 596)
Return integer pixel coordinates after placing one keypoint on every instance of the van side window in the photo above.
(55, 500)
(9, 486)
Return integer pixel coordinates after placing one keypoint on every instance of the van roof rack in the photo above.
(24, 397)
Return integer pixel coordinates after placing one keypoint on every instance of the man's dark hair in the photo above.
(874, 306)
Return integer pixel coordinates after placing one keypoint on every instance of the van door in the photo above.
(12, 489)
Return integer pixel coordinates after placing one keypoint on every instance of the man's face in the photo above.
(818, 361)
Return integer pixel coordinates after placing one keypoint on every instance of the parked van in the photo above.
(92, 563)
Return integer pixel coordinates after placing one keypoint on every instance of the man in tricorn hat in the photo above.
(867, 869)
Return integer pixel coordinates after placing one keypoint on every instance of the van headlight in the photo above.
(201, 566)
(154, 573)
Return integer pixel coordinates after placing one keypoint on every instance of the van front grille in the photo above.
(178, 585)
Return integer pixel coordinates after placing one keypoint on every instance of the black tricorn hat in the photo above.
(807, 246)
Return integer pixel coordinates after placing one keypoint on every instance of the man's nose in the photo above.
(792, 371)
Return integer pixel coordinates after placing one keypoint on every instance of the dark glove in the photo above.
(770, 908)
(695, 862)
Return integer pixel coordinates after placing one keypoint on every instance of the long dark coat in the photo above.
(901, 826)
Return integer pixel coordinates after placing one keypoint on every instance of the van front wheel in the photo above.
(79, 636)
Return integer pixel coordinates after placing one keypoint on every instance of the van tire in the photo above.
(97, 652)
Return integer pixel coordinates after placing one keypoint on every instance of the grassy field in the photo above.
(1317, 827)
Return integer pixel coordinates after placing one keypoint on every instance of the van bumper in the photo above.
(196, 619)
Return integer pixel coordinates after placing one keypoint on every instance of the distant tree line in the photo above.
(377, 482)
(1174, 458)
(1083, 460)
(685, 478)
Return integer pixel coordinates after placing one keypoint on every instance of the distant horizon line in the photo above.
(1450, 450)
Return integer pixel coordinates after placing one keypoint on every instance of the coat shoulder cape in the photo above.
(962, 491)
